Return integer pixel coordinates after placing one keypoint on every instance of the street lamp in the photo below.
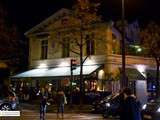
(123, 81)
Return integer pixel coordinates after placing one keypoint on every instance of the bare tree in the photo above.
(85, 12)
(150, 37)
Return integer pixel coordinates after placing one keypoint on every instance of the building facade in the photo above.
(61, 37)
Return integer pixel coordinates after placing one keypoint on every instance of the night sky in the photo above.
(28, 13)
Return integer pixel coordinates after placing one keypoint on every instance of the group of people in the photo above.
(60, 102)
(129, 106)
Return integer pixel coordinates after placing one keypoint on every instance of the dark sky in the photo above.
(28, 13)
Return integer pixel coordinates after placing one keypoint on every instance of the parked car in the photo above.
(9, 103)
(98, 106)
(151, 110)
(95, 96)
(112, 106)
(5, 105)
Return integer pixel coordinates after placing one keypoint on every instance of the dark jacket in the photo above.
(131, 109)
(43, 98)
(60, 99)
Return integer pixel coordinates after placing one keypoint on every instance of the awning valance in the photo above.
(57, 72)
(152, 73)
(134, 74)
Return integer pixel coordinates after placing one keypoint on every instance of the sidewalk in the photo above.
(52, 108)
(34, 115)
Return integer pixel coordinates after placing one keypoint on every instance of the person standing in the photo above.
(13, 100)
(130, 106)
(61, 100)
(43, 102)
(121, 105)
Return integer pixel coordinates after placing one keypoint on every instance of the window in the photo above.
(65, 47)
(90, 48)
(44, 49)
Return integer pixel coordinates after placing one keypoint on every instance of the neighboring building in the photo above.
(53, 43)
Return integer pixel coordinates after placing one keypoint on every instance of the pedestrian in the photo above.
(61, 100)
(130, 106)
(13, 99)
(121, 104)
(43, 93)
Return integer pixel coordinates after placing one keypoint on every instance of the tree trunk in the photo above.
(81, 65)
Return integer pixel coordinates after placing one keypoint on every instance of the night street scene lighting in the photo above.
(62, 58)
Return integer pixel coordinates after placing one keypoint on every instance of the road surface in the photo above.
(34, 115)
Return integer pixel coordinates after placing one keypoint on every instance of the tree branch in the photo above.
(75, 52)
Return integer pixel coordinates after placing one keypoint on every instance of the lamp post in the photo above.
(123, 81)
(81, 62)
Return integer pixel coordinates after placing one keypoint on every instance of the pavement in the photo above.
(67, 116)
(34, 115)
(53, 108)
(74, 112)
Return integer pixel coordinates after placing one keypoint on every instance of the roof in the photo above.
(50, 19)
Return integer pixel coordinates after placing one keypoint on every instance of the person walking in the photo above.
(130, 106)
(61, 100)
(43, 102)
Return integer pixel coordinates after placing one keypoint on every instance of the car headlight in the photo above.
(108, 104)
(158, 110)
(144, 106)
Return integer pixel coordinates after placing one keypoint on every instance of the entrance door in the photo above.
(141, 91)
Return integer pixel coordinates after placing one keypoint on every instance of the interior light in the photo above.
(89, 62)
(136, 46)
(73, 83)
(101, 74)
(141, 69)
(50, 84)
(62, 64)
(139, 49)
(43, 65)
(98, 89)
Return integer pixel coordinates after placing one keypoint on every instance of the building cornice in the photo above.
(48, 20)
(102, 59)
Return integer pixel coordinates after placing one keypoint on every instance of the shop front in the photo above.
(59, 78)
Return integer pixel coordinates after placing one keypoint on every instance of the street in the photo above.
(34, 115)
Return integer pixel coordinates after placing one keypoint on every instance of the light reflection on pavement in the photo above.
(34, 115)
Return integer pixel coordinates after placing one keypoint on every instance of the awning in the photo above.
(57, 72)
(152, 73)
(134, 74)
